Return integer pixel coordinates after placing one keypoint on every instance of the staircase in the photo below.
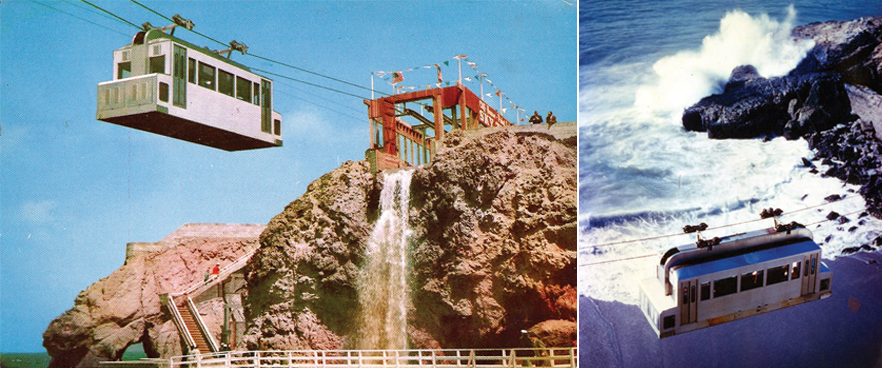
(202, 343)
(186, 316)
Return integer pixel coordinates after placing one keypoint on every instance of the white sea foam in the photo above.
(642, 175)
(689, 75)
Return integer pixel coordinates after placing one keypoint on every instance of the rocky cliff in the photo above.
(124, 308)
(832, 99)
(493, 249)
(493, 252)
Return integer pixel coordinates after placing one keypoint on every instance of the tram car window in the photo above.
(744, 275)
(154, 89)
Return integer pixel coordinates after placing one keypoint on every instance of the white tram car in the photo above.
(165, 85)
(744, 275)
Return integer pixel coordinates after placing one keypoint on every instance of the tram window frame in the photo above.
(705, 291)
(204, 76)
(163, 92)
(668, 322)
(752, 280)
(243, 89)
(825, 284)
(794, 274)
(277, 126)
(814, 261)
(191, 70)
(255, 94)
(124, 70)
(157, 64)
(778, 274)
(725, 288)
(226, 81)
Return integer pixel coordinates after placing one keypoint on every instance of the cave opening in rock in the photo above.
(134, 352)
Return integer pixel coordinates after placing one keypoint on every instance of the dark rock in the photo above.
(832, 99)
(828, 238)
(850, 250)
(852, 229)
(832, 198)
(832, 215)
(807, 163)
(843, 219)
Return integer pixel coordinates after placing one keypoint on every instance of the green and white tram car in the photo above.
(744, 275)
(164, 85)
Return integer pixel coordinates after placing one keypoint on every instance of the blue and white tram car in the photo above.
(165, 85)
(744, 275)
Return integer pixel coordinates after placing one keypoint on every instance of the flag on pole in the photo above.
(439, 73)
(497, 92)
(397, 77)
(471, 64)
(460, 56)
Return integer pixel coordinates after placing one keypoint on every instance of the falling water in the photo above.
(382, 284)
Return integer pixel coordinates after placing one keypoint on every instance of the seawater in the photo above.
(641, 175)
(382, 284)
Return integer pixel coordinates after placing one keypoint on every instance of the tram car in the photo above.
(745, 274)
(164, 85)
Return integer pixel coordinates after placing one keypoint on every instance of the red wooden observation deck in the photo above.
(402, 136)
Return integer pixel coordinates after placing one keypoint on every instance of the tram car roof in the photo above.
(700, 285)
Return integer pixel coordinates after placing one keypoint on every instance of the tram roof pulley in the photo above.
(178, 21)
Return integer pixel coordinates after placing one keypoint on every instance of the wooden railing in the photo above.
(446, 358)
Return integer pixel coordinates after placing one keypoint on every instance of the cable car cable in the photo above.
(319, 105)
(111, 14)
(91, 10)
(718, 227)
(261, 57)
(82, 19)
(319, 97)
(309, 83)
(655, 254)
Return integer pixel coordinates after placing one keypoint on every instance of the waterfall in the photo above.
(382, 283)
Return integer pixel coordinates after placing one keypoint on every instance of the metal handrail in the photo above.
(178, 320)
(224, 272)
(438, 358)
(202, 327)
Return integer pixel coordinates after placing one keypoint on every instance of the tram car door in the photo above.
(809, 266)
(688, 301)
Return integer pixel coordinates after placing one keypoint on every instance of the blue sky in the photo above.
(74, 190)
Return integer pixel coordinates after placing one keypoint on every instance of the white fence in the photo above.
(485, 358)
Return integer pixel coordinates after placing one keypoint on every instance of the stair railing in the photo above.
(212, 343)
(169, 302)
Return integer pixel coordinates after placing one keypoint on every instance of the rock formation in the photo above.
(494, 222)
(124, 308)
(493, 253)
(811, 98)
(832, 99)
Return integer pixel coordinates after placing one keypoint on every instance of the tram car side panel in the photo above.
(731, 287)
(169, 87)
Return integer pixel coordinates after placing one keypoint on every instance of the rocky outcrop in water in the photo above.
(811, 98)
(124, 308)
(493, 251)
(832, 99)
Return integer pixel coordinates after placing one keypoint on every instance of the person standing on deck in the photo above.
(536, 118)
